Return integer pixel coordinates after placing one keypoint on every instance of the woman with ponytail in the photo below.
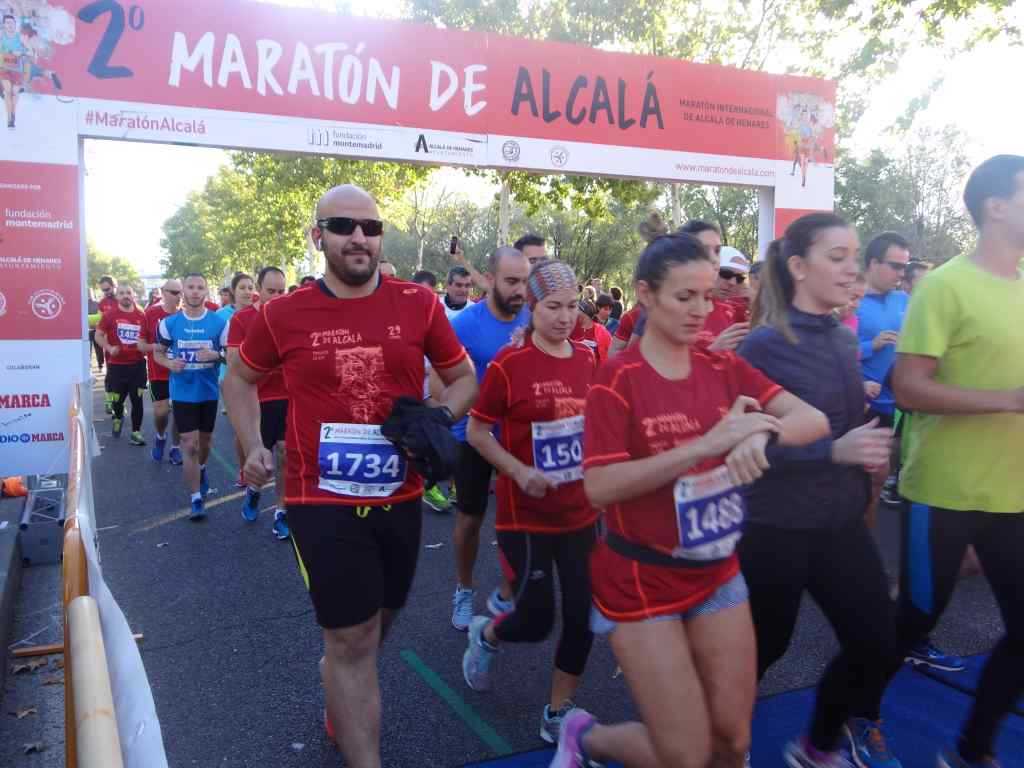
(805, 529)
(671, 433)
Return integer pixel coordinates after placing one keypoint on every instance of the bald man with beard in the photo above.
(348, 346)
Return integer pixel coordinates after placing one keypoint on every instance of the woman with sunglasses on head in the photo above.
(671, 432)
(534, 391)
(805, 529)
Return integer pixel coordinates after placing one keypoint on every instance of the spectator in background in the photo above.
(226, 298)
(590, 293)
(387, 269)
(456, 292)
(915, 271)
(307, 280)
(590, 332)
(605, 307)
(618, 307)
(427, 278)
(755, 278)
(292, 288)
(533, 247)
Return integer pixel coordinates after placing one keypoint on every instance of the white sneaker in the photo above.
(462, 608)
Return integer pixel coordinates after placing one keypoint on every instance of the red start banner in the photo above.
(369, 88)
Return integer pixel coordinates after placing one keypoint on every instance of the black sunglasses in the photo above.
(728, 274)
(343, 225)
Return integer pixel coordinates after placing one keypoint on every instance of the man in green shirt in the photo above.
(960, 368)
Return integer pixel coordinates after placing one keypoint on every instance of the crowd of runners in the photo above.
(689, 467)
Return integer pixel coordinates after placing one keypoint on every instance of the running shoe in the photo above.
(497, 606)
(204, 482)
(950, 758)
(462, 608)
(476, 661)
(575, 725)
(868, 744)
(136, 439)
(452, 497)
(251, 505)
(280, 526)
(175, 456)
(117, 428)
(436, 500)
(158, 448)
(800, 754)
(551, 722)
(198, 512)
(890, 491)
(240, 482)
(924, 654)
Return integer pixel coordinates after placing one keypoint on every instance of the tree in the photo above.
(100, 264)
(258, 210)
(733, 209)
(914, 192)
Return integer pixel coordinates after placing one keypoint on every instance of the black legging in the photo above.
(135, 395)
(96, 348)
(842, 570)
(934, 543)
(528, 560)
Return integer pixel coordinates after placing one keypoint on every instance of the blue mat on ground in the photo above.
(967, 680)
(922, 715)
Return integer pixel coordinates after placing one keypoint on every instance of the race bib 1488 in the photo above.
(709, 513)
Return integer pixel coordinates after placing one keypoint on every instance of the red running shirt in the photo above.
(596, 338)
(724, 313)
(107, 304)
(344, 362)
(154, 314)
(538, 401)
(123, 330)
(625, 329)
(271, 386)
(633, 412)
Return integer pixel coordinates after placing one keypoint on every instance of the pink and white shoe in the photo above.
(570, 754)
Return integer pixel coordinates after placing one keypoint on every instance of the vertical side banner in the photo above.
(41, 312)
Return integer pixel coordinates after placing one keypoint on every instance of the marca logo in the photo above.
(37, 437)
(318, 137)
(25, 401)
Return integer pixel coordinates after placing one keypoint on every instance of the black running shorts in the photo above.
(190, 417)
(356, 560)
(160, 391)
(126, 378)
(273, 419)
(472, 481)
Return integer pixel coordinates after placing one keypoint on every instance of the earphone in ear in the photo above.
(320, 244)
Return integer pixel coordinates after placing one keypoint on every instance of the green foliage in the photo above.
(100, 264)
(257, 210)
(914, 192)
(733, 209)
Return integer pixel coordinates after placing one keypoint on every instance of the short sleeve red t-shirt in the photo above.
(595, 338)
(271, 386)
(344, 362)
(628, 321)
(724, 313)
(154, 314)
(537, 400)
(123, 330)
(633, 412)
(108, 303)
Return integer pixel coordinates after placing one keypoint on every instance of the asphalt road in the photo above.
(232, 645)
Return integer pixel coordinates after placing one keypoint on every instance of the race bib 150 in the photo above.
(558, 449)
(356, 460)
(709, 512)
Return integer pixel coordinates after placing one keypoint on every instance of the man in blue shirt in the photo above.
(880, 317)
(192, 345)
(483, 329)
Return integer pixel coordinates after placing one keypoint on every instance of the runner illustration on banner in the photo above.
(804, 118)
(29, 31)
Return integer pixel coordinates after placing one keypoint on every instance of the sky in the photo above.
(124, 210)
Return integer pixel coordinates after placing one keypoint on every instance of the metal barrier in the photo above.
(89, 720)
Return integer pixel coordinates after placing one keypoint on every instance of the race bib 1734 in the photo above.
(356, 460)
